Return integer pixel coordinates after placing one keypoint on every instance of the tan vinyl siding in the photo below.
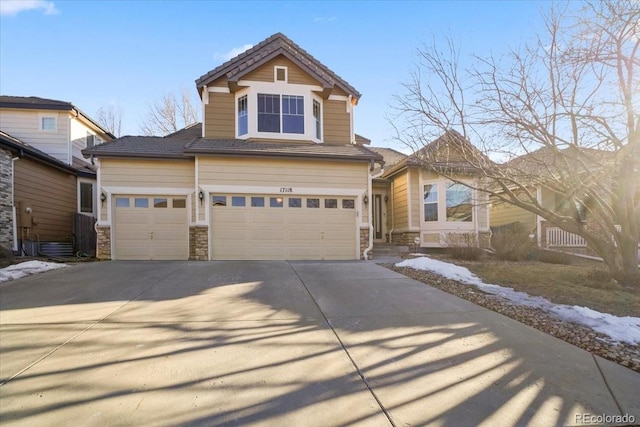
(400, 210)
(25, 125)
(505, 213)
(221, 82)
(281, 172)
(220, 116)
(337, 122)
(295, 74)
(51, 194)
(416, 199)
(147, 173)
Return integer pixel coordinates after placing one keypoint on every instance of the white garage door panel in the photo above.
(283, 232)
(151, 233)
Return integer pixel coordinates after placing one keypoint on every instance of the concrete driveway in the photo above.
(282, 343)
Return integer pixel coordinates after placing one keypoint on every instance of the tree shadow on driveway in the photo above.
(266, 343)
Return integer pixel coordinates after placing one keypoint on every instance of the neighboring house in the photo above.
(275, 171)
(59, 129)
(538, 164)
(413, 198)
(38, 196)
(46, 173)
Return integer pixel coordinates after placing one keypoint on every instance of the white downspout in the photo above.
(393, 217)
(365, 254)
(538, 221)
(13, 204)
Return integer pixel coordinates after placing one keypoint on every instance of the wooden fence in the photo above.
(85, 234)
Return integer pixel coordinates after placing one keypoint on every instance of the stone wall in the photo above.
(199, 243)
(6, 204)
(404, 239)
(364, 241)
(104, 242)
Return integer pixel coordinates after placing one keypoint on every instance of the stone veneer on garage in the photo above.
(104, 242)
(199, 243)
(6, 204)
(364, 241)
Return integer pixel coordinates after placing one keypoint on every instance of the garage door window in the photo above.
(313, 203)
(179, 203)
(295, 202)
(257, 202)
(219, 200)
(122, 202)
(276, 202)
(160, 203)
(331, 203)
(141, 203)
(238, 201)
(348, 204)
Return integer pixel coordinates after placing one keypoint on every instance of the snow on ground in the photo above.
(27, 268)
(620, 329)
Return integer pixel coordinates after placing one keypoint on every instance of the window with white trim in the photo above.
(317, 118)
(243, 115)
(459, 203)
(280, 74)
(280, 113)
(48, 123)
(86, 197)
(430, 201)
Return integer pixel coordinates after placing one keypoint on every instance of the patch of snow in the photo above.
(620, 329)
(27, 268)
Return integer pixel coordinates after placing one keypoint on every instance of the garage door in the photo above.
(283, 227)
(151, 228)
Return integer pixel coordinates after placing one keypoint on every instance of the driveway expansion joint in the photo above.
(344, 348)
(606, 383)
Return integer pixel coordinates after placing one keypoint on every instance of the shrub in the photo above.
(464, 246)
(551, 257)
(512, 242)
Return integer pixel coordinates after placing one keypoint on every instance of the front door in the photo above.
(378, 218)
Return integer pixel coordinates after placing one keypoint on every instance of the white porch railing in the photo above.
(557, 237)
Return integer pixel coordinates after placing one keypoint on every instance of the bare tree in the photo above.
(569, 102)
(170, 114)
(110, 118)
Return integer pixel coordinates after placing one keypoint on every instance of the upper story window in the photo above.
(317, 118)
(48, 123)
(280, 74)
(276, 112)
(243, 120)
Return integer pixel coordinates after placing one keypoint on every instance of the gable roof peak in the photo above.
(268, 49)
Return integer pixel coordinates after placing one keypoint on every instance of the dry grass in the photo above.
(584, 283)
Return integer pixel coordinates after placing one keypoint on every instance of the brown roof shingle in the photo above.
(268, 49)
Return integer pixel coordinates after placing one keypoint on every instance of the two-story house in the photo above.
(273, 172)
(45, 177)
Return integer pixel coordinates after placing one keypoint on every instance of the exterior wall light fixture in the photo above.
(366, 199)
(201, 197)
(103, 197)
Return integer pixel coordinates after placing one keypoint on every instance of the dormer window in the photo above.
(281, 74)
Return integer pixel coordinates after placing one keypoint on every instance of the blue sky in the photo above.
(129, 53)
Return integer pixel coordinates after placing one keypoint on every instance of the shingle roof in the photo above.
(324, 151)
(34, 102)
(37, 103)
(139, 146)
(190, 132)
(457, 149)
(20, 146)
(268, 49)
(391, 156)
